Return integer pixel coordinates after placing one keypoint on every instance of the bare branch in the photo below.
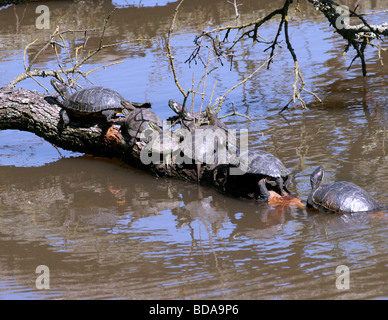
(169, 54)
(235, 113)
(357, 36)
(234, 3)
(56, 40)
(220, 100)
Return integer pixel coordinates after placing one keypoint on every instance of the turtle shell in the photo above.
(164, 142)
(263, 163)
(192, 123)
(342, 197)
(94, 100)
(207, 145)
(138, 121)
(189, 120)
(219, 123)
(203, 148)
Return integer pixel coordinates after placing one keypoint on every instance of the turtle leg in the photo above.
(280, 185)
(108, 114)
(198, 172)
(65, 117)
(263, 195)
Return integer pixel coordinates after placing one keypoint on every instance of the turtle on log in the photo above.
(93, 102)
(189, 120)
(137, 123)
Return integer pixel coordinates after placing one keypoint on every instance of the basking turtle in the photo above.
(162, 143)
(266, 167)
(93, 101)
(188, 120)
(339, 197)
(230, 141)
(138, 122)
(210, 143)
(213, 120)
(206, 146)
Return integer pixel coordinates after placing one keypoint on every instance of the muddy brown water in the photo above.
(106, 230)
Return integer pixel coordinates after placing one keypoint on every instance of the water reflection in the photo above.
(163, 238)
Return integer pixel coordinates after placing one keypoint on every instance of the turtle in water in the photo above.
(93, 101)
(138, 122)
(339, 197)
(265, 167)
(188, 120)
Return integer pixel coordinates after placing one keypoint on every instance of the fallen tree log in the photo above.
(38, 113)
(35, 112)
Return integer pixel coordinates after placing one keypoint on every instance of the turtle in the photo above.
(339, 197)
(93, 101)
(162, 143)
(138, 122)
(213, 119)
(206, 145)
(213, 152)
(188, 120)
(265, 167)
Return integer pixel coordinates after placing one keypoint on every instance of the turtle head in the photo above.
(154, 126)
(175, 106)
(127, 106)
(316, 177)
(211, 115)
(60, 88)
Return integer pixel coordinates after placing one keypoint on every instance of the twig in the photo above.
(374, 12)
(169, 55)
(234, 3)
(235, 113)
(27, 69)
(220, 100)
(252, 33)
(76, 62)
(104, 66)
(105, 24)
